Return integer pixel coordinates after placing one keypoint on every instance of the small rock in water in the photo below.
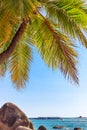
(41, 128)
(77, 129)
(58, 127)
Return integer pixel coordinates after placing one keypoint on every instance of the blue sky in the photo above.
(48, 93)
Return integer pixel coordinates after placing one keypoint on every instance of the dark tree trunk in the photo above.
(7, 53)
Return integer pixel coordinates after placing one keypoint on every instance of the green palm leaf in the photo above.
(70, 17)
(19, 64)
(3, 69)
(55, 48)
(17, 9)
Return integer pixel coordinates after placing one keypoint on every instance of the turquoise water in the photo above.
(68, 123)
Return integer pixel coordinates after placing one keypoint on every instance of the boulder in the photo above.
(41, 128)
(11, 117)
(57, 127)
(22, 128)
(77, 129)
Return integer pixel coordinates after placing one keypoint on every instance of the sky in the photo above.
(47, 92)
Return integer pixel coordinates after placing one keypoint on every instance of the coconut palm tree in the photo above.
(53, 33)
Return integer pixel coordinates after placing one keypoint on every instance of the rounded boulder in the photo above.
(41, 128)
(77, 128)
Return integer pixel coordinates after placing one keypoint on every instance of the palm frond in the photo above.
(5, 35)
(16, 9)
(19, 64)
(3, 69)
(55, 48)
(69, 16)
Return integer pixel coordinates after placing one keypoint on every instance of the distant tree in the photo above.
(23, 25)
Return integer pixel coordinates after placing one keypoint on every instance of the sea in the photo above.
(67, 123)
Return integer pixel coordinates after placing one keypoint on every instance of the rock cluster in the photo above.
(12, 118)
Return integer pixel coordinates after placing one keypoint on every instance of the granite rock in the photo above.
(77, 129)
(58, 127)
(22, 128)
(12, 117)
(41, 128)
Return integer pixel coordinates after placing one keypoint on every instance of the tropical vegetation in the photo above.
(51, 26)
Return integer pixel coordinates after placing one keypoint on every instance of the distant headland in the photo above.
(47, 118)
